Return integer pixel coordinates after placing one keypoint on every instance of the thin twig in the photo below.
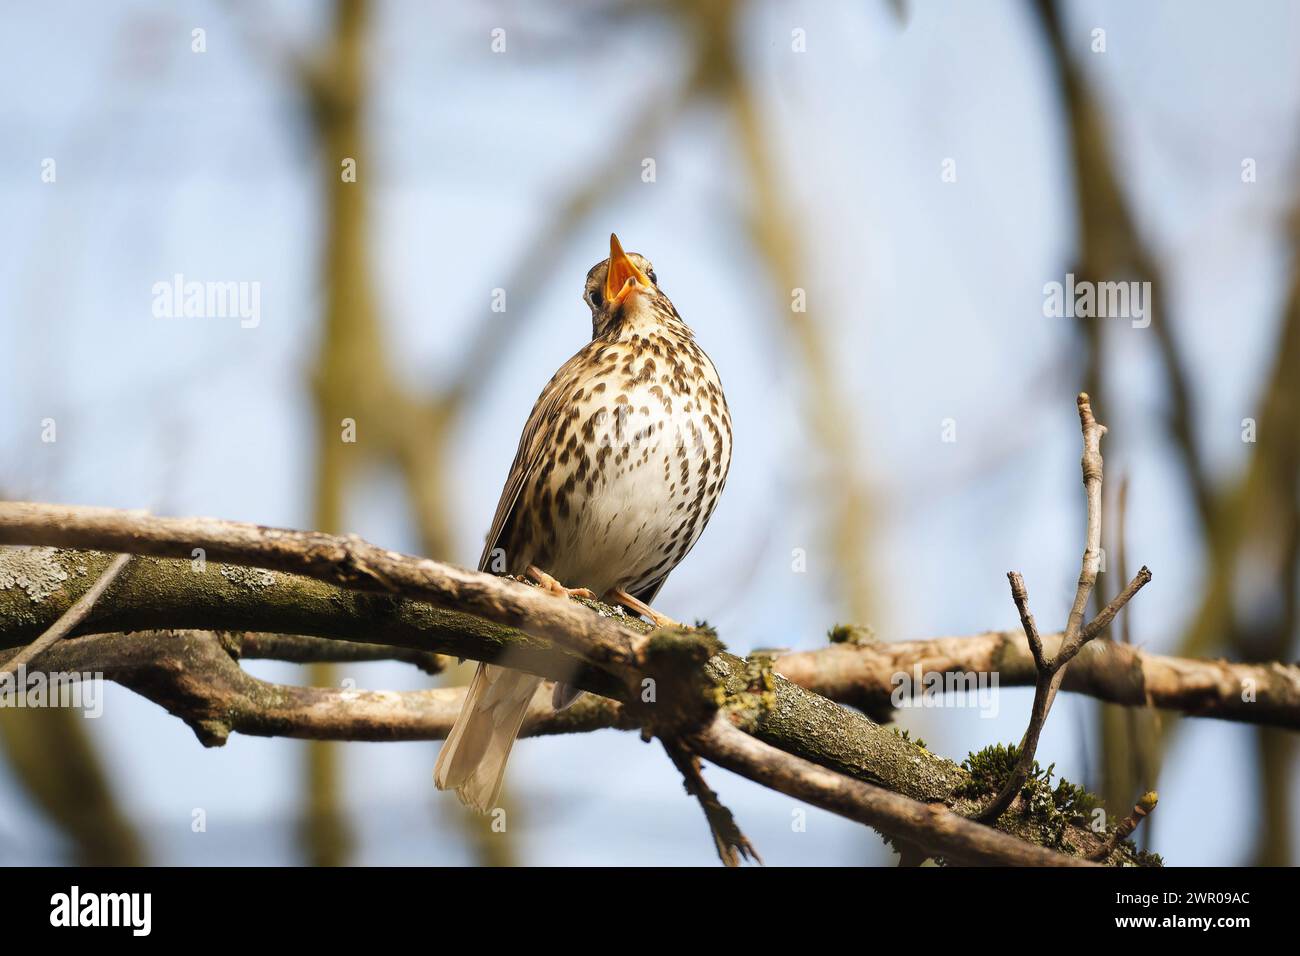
(1092, 469)
(732, 845)
(69, 619)
(1051, 672)
(1097, 626)
(1021, 596)
(1126, 826)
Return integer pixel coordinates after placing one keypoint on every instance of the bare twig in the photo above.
(1052, 671)
(70, 618)
(1092, 469)
(732, 845)
(1097, 626)
(1126, 826)
(1021, 597)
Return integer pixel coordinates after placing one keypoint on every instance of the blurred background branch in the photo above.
(1239, 515)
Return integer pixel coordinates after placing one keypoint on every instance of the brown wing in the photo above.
(648, 593)
(532, 444)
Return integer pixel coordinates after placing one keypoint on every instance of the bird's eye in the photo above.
(596, 298)
(650, 274)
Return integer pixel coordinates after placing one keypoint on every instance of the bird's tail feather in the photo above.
(473, 760)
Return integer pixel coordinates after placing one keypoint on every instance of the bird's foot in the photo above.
(549, 583)
(645, 610)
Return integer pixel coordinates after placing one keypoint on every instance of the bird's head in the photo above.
(622, 287)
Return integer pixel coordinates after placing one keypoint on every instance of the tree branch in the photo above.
(321, 622)
(158, 593)
(302, 649)
(868, 675)
(194, 677)
(68, 620)
(932, 826)
(346, 561)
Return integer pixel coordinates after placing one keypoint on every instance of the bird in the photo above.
(619, 468)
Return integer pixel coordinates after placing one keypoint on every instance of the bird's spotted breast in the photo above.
(644, 439)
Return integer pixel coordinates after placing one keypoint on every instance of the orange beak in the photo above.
(623, 277)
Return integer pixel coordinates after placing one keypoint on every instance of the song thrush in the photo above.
(618, 470)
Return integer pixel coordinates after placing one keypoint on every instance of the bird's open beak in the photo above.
(623, 277)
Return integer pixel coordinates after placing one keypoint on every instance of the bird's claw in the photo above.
(548, 583)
